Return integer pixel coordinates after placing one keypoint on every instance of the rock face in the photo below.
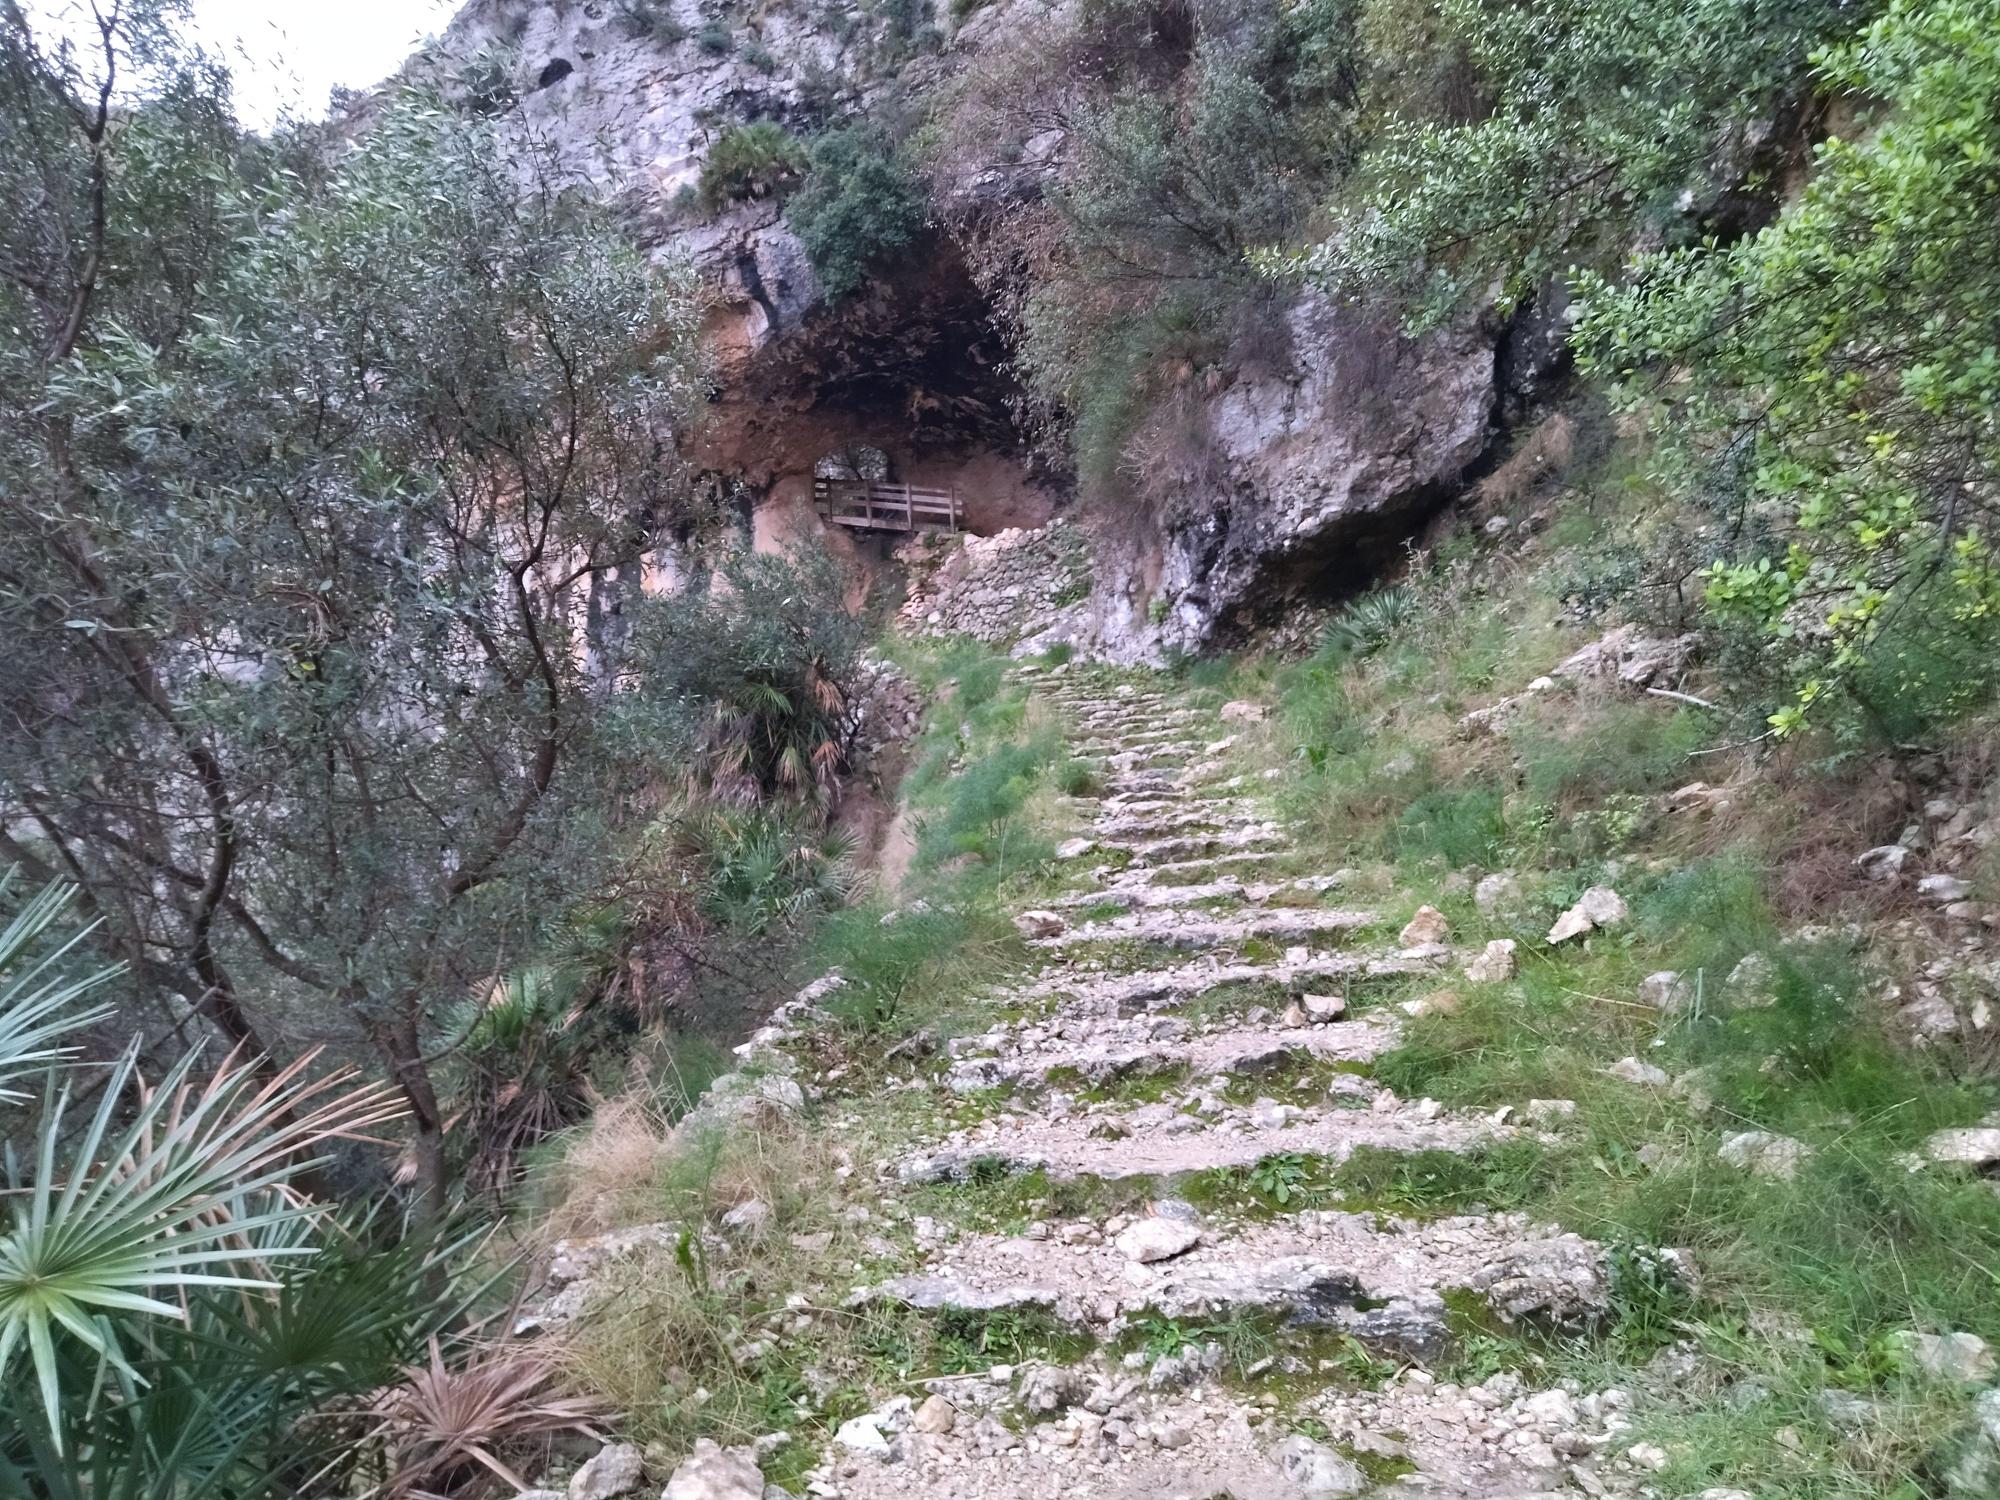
(1320, 467)
(1324, 462)
(1326, 439)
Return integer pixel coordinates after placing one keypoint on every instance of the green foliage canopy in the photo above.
(1607, 118)
(1843, 362)
(858, 209)
(319, 468)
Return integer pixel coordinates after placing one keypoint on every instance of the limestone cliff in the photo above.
(1325, 441)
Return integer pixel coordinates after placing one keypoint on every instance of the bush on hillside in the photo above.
(762, 671)
(858, 210)
(1604, 113)
(1844, 378)
(760, 160)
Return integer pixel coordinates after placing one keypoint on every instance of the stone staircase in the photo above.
(1198, 1010)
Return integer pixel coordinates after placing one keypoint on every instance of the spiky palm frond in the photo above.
(1367, 623)
(178, 1198)
(36, 1007)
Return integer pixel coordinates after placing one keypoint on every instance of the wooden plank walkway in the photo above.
(876, 505)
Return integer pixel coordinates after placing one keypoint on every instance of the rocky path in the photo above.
(1203, 1008)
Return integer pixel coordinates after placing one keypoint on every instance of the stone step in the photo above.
(1047, 1433)
(1190, 819)
(1247, 859)
(1025, 1056)
(1141, 894)
(1151, 800)
(1378, 1277)
(1152, 732)
(1181, 930)
(1095, 994)
(1198, 845)
(1150, 757)
(1158, 1142)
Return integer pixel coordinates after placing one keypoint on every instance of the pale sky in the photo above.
(286, 55)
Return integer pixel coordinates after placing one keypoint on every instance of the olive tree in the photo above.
(1842, 363)
(317, 457)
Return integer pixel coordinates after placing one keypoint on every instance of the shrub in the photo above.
(761, 675)
(1461, 827)
(715, 39)
(751, 161)
(980, 800)
(858, 210)
(651, 18)
(1842, 365)
(1365, 625)
(764, 870)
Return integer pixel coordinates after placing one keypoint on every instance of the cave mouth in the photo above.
(557, 69)
(915, 366)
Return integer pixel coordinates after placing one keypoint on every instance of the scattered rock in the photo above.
(1241, 712)
(1943, 889)
(1600, 906)
(750, 1217)
(1045, 1389)
(1884, 862)
(1666, 991)
(1549, 1112)
(1648, 1456)
(1437, 1003)
(615, 1469)
(1629, 657)
(1075, 848)
(862, 1434)
(1560, 1282)
(1698, 797)
(1978, 1146)
(1319, 1472)
(1498, 892)
(1494, 963)
(1039, 924)
(1763, 1154)
(713, 1472)
(1950, 1356)
(935, 1416)
(1750, 984)
(1976, 1473)
(1426, 928)
(1156, 1239)
(1632, 1070)
(1324, 1007)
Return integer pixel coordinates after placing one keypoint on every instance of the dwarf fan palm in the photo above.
(158, 1194)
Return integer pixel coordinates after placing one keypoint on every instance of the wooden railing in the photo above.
(875, 505)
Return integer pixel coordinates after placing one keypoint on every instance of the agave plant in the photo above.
(124, 1217)
(1366, 624)
(443, 1425)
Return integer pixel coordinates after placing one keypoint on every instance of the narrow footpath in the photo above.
(1198, 1038)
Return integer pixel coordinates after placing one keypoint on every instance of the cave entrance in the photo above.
(905, 383)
